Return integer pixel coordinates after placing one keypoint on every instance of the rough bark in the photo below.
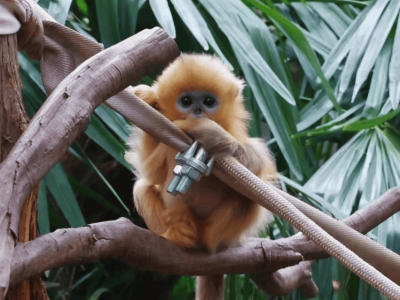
(63, 116)
(139, 247)
(13, 118)
(123, 240)
(13, 121)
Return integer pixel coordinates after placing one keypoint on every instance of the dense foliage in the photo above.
(323, 86)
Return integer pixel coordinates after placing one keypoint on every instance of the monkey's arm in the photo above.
(252, 153)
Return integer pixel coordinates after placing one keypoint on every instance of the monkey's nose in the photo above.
(197, 111)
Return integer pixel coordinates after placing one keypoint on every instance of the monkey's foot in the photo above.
(182, 234)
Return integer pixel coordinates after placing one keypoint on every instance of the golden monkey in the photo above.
(203, 98)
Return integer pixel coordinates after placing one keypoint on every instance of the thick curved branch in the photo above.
(139, 247)
(64, 115)
(123, 240)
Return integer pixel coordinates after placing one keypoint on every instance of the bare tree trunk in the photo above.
(13, 121)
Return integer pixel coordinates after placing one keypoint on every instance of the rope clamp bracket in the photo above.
(191, 166)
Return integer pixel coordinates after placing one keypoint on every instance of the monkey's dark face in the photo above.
(198, 104)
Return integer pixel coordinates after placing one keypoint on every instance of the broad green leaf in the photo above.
(332, 125)
(306, 66)
(391, 143)
(339, 163)
(322, 276)
(314, 110)
(379, 80)
(82, 6)
(267, 102)
(359, 44)
(43, 210)
(197, 25)
(252, 107)
(343, 116)
(192, 19)
(164, 17)
(44, 4)
(387, 107)
(341, 193)
(262, 39)
(99, 133)
(84, 278)
(369, 123)
(316, 43)
(59, 10)
(248, 288)
(77, 151)
(354, 124)
(264, 42)
(57, 182)
(244, 47)
(376, 43)
(394, 70)
(315, 24)
(141, 2)
(78, 187)
(297, 37)
(128, 13)
(32, 95)
(316, 200)
(32, 70)
(108, 22)
(333, 16)
(114, 121)
(265, 96)
(344, 44)
(184, 288)
(371, 174)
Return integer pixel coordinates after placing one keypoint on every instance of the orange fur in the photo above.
(211, 214)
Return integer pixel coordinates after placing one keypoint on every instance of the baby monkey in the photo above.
(203, 98)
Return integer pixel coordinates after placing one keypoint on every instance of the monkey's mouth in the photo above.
(196, 115)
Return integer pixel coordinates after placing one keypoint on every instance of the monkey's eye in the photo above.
(209, 101)
(186, 101)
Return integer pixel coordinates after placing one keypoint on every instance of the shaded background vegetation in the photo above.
(323, 86)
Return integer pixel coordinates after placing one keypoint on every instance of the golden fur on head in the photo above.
(200, 72)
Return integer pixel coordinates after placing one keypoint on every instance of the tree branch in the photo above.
(139, 247)
(63, 116)
(273, 264)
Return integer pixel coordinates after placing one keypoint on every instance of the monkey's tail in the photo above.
(210, 287)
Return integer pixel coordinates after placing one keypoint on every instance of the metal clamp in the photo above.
(190, 166)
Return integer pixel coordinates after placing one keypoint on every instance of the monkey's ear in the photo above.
(147, 94)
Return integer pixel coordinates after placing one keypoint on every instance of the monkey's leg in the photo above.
(210, 287)
(175, 224)
(181, 226)
(150, 205)
(230, 220)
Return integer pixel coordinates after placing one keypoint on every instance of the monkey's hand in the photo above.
(210, 135)
(252, 153)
